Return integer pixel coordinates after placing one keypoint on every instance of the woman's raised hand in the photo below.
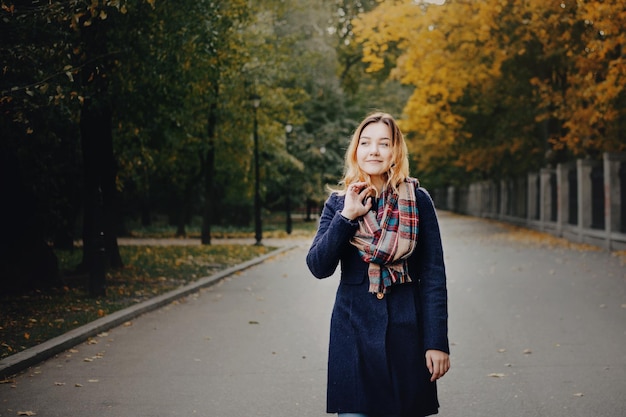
(357, 202)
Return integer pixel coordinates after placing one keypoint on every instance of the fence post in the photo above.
(503, 197)
(532, 215)
(583, 171)
(562, 204)
(451, 200)
(492, 199)
(543, 197)
(581, 200)
(613, 221)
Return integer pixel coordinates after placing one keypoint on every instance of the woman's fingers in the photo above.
(356, 204)
(438, 363)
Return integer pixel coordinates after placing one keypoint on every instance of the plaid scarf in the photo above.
(386, 238)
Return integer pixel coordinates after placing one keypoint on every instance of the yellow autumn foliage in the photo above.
(559, 64)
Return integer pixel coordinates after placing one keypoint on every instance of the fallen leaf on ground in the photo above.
(26, 413)
(527, 351)
(578, 394)
(496, 375)
(59, 384)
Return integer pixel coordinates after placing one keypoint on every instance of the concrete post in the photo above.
(482, 199)
(521, 197)
(612, 187)
(451, 200)
(486, 199)
(532, 214)
(504, 198)
(473, 204)
(545, 195)
(493, 198)
(583, 170)
(562, 183)
(493, 190)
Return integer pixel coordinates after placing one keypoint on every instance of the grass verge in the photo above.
(29, 319)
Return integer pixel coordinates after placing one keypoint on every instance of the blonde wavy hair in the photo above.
(399, 169)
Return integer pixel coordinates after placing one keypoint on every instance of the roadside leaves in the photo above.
(30, 319)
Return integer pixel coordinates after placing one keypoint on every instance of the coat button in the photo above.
(380, 295)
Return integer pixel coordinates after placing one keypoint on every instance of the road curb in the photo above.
(31, 356)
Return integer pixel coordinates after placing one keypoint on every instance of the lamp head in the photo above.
(255, 99)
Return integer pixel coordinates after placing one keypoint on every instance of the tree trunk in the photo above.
(309, 209)
(181, 217)
(209, 175)
(26, 260)
(99, 223)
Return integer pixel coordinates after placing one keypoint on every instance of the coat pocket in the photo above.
(353, 276)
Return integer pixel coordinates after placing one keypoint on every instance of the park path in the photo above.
(537, 328)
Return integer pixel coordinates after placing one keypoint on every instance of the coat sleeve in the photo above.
(432, 276)
(333, 233)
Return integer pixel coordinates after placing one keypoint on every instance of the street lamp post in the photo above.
(258, 228)
(288, 130)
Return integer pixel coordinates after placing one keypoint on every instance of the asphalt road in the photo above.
(536, 329)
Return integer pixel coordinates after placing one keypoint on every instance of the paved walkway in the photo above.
(537, 329)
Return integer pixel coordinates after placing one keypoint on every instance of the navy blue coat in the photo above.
(376, 361)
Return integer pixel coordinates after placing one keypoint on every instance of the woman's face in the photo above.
(374, 153)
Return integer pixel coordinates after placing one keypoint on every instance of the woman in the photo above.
(388, 336)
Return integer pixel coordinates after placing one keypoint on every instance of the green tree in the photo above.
(39, 147)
